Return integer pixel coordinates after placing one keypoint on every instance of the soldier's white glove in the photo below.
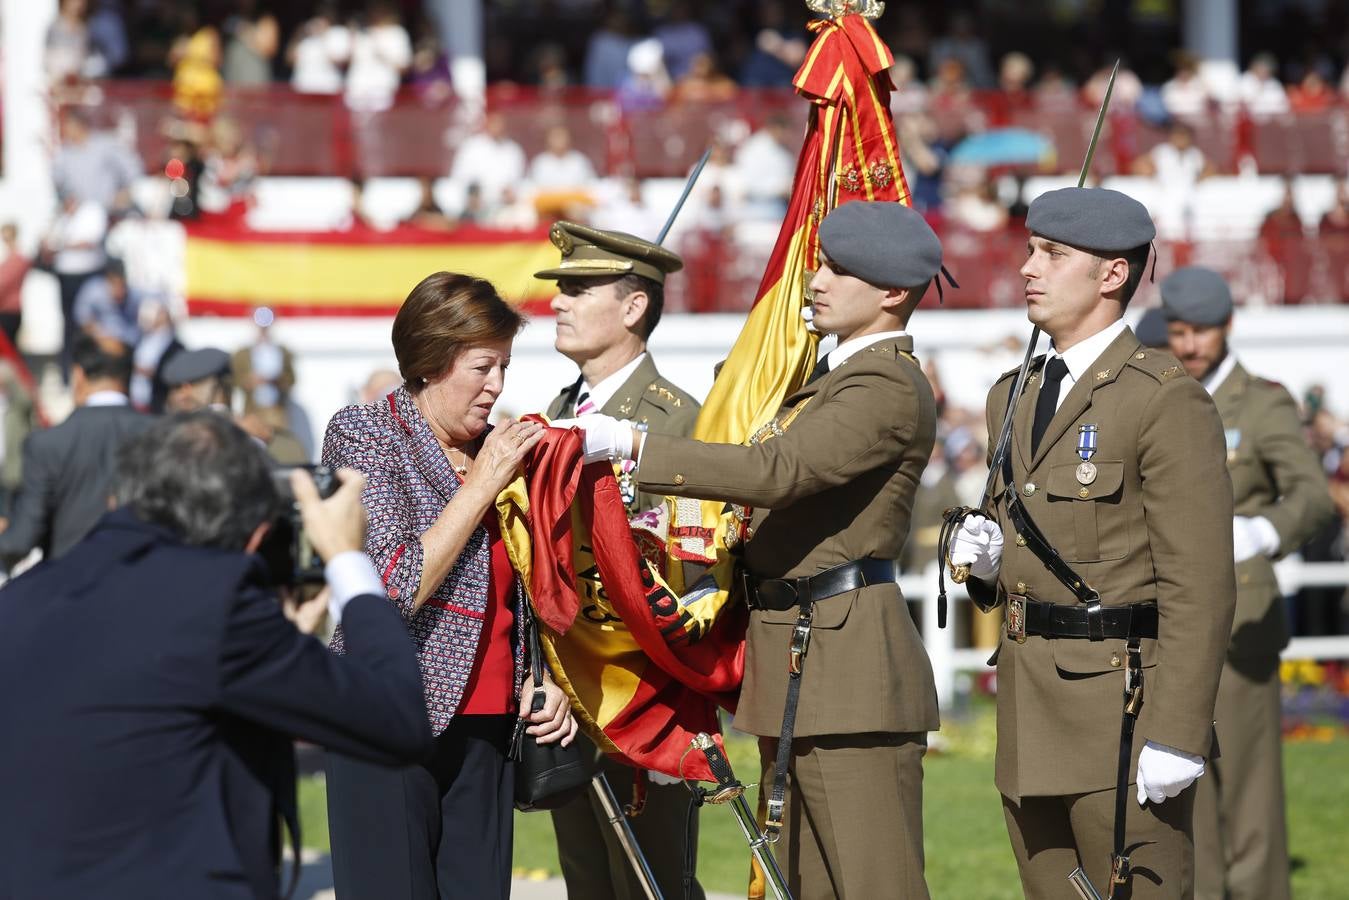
(604, 436)
(1164, 772)
(977, 544)
(1253, 536)
(808, 314)
(661, 778)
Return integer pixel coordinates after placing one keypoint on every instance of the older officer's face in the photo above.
(593, 317)
(844, 304)
(1065, 287)
(1198, 347)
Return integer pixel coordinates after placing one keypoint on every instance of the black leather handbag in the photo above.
(546, 775)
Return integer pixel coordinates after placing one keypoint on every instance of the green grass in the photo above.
(967, 850)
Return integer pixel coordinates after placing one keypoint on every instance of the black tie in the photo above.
(1048, 401)
(821, 369)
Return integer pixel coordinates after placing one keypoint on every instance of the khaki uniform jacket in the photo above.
(1275, 474)
(1154, 525)
(645, 398)
(837, 485)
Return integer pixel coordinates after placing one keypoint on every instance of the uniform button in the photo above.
(749, 533)
(1020, 541)
(1021, 587)
(1084, 493)
(1115, 661)
(1139, 356)
(393, 593)
(1029, 489)
(679, 479)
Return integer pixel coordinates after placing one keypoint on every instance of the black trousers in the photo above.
(441, 830)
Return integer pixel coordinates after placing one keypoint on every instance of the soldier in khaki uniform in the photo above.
(609, 300)
(1282, 500)
(1117, 459)
(831, 481)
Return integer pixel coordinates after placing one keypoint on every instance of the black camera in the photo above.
(290, 558)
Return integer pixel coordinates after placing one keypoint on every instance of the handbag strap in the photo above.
(538, 699)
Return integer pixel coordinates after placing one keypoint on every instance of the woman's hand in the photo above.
(502, 452)
(552, 723)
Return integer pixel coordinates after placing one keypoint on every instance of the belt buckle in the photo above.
(1016, 617)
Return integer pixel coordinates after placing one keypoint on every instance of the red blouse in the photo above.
(491, 688)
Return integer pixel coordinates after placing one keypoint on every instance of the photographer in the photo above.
(150, 685)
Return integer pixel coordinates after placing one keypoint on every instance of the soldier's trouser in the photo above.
(1051, 836)
(853, 823)
(593, 862)
(1240, 841)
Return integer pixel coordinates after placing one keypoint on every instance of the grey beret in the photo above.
(1196, 295)
(190, 366)
(1151, 328)
(885, 244)
(1091, 218)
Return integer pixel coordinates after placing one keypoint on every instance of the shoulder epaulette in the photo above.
(1157, 363)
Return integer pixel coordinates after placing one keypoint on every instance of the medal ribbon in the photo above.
(1086, 442)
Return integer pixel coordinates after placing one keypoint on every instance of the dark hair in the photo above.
(655, 298)
(445, 313)
(101, 359)
(1137, 258)
(200, 476)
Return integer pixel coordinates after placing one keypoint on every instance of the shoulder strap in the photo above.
(1037, 543)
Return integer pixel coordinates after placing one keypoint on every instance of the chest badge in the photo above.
(1086, 449)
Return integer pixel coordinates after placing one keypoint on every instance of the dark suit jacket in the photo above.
(67, 475)
(149, 692)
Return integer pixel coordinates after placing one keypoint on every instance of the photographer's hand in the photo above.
(335, 525)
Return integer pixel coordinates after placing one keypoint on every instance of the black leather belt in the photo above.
(1061, 620)
(785, 593)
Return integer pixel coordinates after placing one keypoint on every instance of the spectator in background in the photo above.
(1311, 94)
(1283, 221)
(196, 72)
(381, 52)
(318, 53)
(18, 418)
(1053, 92)
(963, 44)
(13, 271)
(380, 384)
(1177, 165)
(67, 470)
(73, 252)
(265, 372)
(107, 34)
(950, 96)
(606, 60)
(108, 308)
(198, 379)
(490, 159)
(1014, 92)
(560, 166)
(428, 213)
(924, 158)
(683, 39)
(1259, 91)
(1184, 96)
(251, 50)
(779, 49)
(974, 202)
(647, 84)
(158, 345)
(765, 163)
(514, 211)
(229, 170)
(429, 75)
(628, 212)
(70, 55)
(703, 82)
(910, 94)
(1335, 222)
(549, 67)
(1128, 87)
(93, 166)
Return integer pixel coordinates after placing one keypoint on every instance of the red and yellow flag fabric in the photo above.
(232, 269)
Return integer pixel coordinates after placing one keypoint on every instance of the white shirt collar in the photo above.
(106, 398)
(840, 354)
(1216, 378)
(1079, 357)
(603, 392)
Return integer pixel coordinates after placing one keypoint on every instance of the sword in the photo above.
(732, 791)
(961, 573)
(688, 187)
(626, 839)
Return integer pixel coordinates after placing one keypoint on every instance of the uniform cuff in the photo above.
(349, 575)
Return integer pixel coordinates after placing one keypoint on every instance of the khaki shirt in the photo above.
(1154, 525)
(837, 485)
(1275, 474)
(646, 398)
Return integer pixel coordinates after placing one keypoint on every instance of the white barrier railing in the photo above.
(948, 659)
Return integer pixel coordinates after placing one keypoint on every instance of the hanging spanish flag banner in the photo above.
(231, 269)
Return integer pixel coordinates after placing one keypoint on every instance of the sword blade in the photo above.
(679, 204)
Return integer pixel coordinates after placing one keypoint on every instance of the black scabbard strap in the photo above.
(1133, 704)
(800, 643)
(1038, 544)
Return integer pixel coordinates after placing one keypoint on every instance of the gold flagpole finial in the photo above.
(837, 9)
